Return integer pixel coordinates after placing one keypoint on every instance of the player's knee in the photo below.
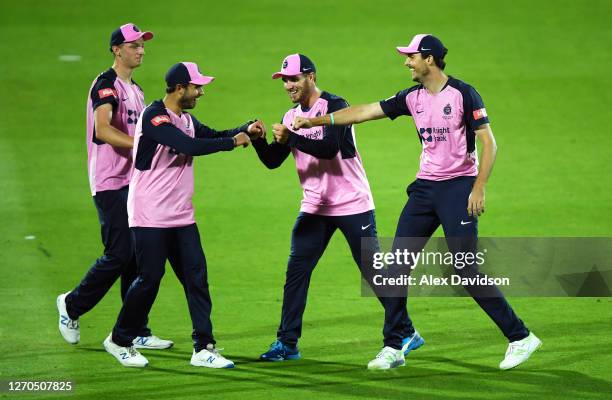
(119, 257)
(148, 277)
(299, 262)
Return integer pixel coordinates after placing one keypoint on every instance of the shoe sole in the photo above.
(292, 357)
(394, 365)
(414, 345)
(139, 346)
(57, 302)
(228, 366)
(528, 357)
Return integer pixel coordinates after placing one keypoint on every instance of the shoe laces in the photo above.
(212, 349)
(516, 349)
(132, 351)
(386, 353)
(277, 345)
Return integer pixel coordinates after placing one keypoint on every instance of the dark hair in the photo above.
(174, 88)
(440, 63)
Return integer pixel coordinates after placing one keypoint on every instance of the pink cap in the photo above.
(184, 73)
(196, 77)
(295, 64)
(413, 47)
(128, 33)
(132, 33)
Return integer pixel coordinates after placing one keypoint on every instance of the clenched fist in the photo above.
(281, 133)
(257, 130)
(301, 122)
(241, 139)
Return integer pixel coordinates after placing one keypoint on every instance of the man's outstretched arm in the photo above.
(345, 116)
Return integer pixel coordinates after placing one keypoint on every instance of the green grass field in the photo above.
(542, 68)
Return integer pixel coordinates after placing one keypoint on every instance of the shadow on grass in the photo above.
(442, 378)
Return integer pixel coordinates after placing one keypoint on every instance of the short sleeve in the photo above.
(474, 109)
(104, 92)
(396, 105)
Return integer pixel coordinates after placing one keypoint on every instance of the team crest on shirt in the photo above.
(102, 93)
(447, 110)
(160, 119)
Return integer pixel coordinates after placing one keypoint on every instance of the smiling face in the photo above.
(190, 95)
(419, 66)
(299, 87)
(130, 54)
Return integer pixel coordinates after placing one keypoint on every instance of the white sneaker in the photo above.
(210, 357)
(387, 358)
(69, 328)
(127, 356)
(519, 351)
(152, 342)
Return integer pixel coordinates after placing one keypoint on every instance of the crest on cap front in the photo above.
(290, 67)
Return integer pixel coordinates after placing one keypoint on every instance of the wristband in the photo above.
(331, 119)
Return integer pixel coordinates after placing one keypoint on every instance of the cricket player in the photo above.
(113, 106)
(337, 196)
(450, 187)
(161, 214)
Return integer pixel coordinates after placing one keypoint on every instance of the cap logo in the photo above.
(424, 49)
(135, 28)
(285, 64)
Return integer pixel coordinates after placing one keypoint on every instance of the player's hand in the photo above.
(281, 133)
(242, 139)
(476, 202)
(301, 122)
(257, 130)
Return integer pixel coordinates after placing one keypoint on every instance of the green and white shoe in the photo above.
(519, 351)
(387, 358)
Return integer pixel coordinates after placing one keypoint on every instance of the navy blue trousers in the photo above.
(434, 203)
(310, 237)
(182, 247)
(117, 261)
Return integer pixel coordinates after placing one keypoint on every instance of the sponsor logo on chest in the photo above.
(315, 133)
(434, 134)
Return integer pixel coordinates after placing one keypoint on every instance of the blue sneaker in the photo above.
(280, 352)
(412, 343)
